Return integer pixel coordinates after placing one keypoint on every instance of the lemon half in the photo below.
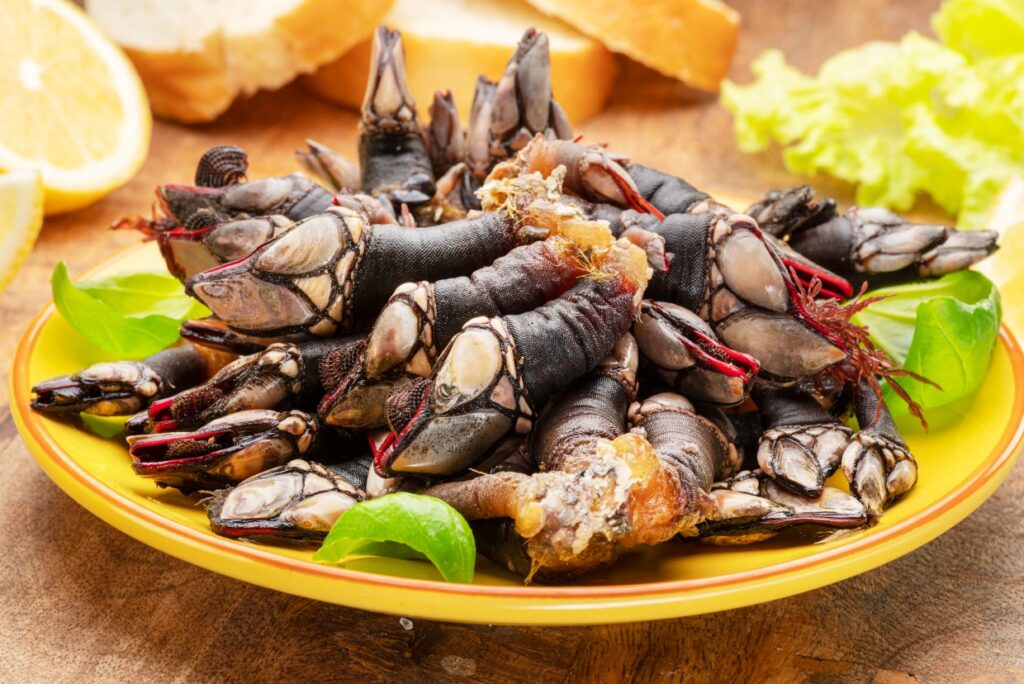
(71, 104)
(21, 216)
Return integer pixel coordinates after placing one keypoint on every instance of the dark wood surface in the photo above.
(79, 601)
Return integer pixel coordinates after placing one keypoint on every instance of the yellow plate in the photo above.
(961, 466)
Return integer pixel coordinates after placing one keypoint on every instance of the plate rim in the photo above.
(41, 443)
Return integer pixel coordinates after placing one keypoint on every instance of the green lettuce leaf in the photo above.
(781, 104)
(901, 119)
(130, 316)
(404, 525)
(944, 330)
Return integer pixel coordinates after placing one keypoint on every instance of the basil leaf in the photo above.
(390, 549)
(105, 326)
(944, 330)
(892, 321)
(952, 347)
(107, 427)
(145, 293)
(403, 525)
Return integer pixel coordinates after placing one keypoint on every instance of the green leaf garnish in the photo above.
(892, 320)
(130, 316)
(944, 118)
(145, 293)
(107, 427)
(404, 525)
(944, 330)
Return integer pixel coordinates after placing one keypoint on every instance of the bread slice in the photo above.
(449, 43)
(692, 40)
(196, 56)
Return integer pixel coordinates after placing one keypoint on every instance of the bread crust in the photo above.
(198, 81)
(583, 70)
(692, 40)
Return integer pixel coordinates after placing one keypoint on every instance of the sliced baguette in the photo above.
(449, 43)
(196, 56)
(692, 40)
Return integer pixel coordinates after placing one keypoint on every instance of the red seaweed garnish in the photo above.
(865, 361)
(149, 228)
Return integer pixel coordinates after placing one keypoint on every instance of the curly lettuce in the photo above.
(981, 29)
(899, 119)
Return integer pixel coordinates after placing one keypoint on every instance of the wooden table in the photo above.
(79, 601)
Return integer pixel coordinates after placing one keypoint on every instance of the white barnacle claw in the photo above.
(123, 375)
(679, 345)
(478, 131)
(877, 464)
(783, 345)
(395, 332)
(604, 178)
(105, 389)
(522, 98)
(301, 500)
(225, 450)
(261, 497)
(250, 304)
(802, 456)
(298, 282)
(884, 242)
(264, 380)
(878, 470)
(258, 195)
(473, 398)
(310, 245)
(238, 239)
(660, 343)
(337, 172)
(749, 269)
(403, 330)
(750, 507)
(388, 103)
(470, 367)
(961, 249)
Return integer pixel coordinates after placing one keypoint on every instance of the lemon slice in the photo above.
(21, 216)
(71, 104)
(1004, 267)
